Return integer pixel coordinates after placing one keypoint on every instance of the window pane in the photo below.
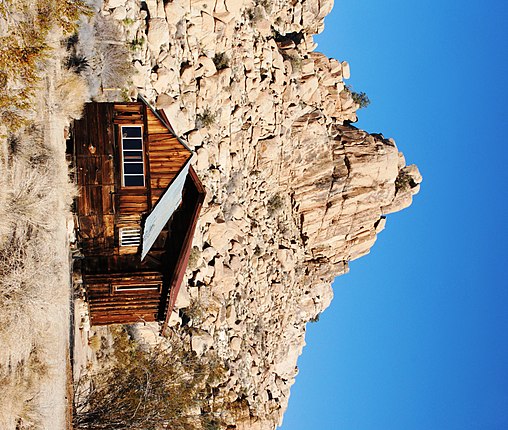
(132, 144)
(133, 156)
(134, 181)
(129, 168)
(131, 131)
(137, 288)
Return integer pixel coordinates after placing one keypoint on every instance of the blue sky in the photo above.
(417, 335)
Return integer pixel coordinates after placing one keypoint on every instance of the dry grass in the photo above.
(71, 94)
(34, 201)
(34, 197)
(108, 56)
(24, 48)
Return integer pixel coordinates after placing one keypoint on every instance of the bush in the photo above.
(360, 99)
(275, 204)
(162, 388)
(77, 63)
(254, 14)
(206, 118)
(403, 182)
(34, 276)
(71, 94)
(194, 257)
(24, 50)
(315, 319)
(221, 61)
(294, 59)
(137, 44)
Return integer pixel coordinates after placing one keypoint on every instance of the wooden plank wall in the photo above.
(108, 306)
(95, 161)
(166, 156)
(103, 206)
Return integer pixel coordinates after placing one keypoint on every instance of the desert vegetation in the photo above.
(221, 60)
(25, 47)
(404, 182)
(135, 387)
(206, 118)
(33, 279)
(37, 98)
(361, 99)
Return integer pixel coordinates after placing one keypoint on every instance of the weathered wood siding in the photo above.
(104, 206)
(108, 305)
(95, 158)
(166, 156)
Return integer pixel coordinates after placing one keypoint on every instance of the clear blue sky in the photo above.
(417, 335)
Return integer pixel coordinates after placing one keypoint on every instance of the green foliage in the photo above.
(221, 61)
(137, 44)
(128, 21)
(360, 99)
(148, 390)
(124, 94)
(206, 118)
(403, 182)
(24, 49)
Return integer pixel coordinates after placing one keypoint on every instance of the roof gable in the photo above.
(168, 161)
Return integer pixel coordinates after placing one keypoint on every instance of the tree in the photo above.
(360, 99)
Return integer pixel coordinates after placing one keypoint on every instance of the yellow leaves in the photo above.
(23, 52)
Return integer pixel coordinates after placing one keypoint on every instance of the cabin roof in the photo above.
(183, 258)
(171, 197)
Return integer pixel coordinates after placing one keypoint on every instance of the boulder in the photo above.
(158, 34)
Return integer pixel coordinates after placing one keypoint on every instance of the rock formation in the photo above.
(293, 191)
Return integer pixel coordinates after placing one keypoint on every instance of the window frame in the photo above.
(122, 159)
(127, 288)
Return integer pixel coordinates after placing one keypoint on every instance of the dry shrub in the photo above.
(31, 191)
(34, 199)
(19, 391)
(108, 57)
(33, 274)
(24, 49)
(116, 65)
(71, 94)
(404, 182)
(206, 118)
(162, 388)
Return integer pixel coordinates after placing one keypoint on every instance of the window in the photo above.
(128, 288)
(130, 236)
(133, 166)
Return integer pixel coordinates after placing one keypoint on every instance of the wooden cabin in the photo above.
(139, 201)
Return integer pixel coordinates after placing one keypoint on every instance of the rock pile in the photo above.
(293, 191)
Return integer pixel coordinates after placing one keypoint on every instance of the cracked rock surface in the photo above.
(294, 192)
